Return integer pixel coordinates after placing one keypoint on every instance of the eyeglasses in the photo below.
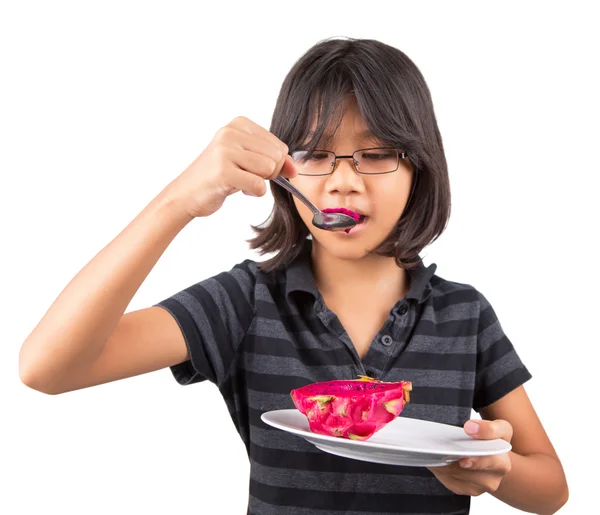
(368, 161)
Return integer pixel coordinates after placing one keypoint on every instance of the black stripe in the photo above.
(321, 461)
(283, 348)
(221, 335)
(199, 367)
(494, 392)
(494, 352)
(354, 501)
(454, 296)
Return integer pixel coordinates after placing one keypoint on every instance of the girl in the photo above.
(354, 128)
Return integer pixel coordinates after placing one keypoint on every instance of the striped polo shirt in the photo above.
(259, 335)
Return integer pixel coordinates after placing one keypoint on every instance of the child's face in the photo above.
(381, 198)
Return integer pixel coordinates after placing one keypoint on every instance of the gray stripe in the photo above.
(500, 368)
(245, 281)
(284, 366)
(490, 335)
(441, 378)
(227, 312)
(443, 344)
(451, 313)
(267, 327)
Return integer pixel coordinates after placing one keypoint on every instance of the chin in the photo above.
(343, 249)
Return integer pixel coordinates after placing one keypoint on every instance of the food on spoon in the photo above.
(353, 409)
(343, 210)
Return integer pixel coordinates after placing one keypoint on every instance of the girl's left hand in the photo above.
(477, 475)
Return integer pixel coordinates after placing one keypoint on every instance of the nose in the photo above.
(344, 178)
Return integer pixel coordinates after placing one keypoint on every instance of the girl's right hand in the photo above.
(241, 157)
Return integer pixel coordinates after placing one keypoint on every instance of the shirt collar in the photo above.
(299, 277)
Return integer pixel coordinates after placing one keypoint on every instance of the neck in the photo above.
(372, 274)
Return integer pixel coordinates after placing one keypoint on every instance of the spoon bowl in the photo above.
(326, 221)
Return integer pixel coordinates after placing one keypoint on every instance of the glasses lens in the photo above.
(318, 162)
(376, 160)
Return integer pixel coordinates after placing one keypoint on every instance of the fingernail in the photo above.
(472, 428)
(466, 464)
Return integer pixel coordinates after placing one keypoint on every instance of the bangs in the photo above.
(316, 99)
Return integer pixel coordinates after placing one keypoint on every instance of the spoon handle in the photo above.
(284, 183)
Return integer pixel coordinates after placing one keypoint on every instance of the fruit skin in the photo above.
(353, 409)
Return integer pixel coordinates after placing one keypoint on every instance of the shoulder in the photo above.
(246, 278)
(445, 290)
(447, 294)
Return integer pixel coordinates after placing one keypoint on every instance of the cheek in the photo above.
(391, 201)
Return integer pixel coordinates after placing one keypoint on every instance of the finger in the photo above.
(249, 183)
(277, 152)
(489, 429)
(458, 481)
(229, 137)
(500, 463)
(289, 168)
(257, 164)
(244, 124)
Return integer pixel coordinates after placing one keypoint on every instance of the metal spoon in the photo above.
(327, 221)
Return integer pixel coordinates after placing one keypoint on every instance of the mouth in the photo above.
(357, 216)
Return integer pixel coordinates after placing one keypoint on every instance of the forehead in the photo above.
(349, 128)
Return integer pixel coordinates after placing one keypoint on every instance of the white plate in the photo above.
(404, 441)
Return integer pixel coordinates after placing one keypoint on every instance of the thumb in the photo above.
(489, 429)
(289, 168)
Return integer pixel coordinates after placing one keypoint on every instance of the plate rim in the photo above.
(373, 445)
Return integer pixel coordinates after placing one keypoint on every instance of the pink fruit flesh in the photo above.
(344, 211)
(353, 409)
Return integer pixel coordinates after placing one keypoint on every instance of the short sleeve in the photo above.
(213, 316)
(499, 368)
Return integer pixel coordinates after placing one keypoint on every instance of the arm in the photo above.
(529, 477)
(63, 352)
(536, 481)
(84, 339)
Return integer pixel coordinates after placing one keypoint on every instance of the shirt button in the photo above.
(403, 309)
(387, 340)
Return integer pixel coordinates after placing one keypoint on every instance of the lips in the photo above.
(357, 216)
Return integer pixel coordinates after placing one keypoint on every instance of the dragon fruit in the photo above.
(344, 211)
(353, 409)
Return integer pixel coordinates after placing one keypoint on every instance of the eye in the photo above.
(319, 155)
(378, 155)
(304, 156)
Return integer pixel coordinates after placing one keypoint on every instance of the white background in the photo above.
(103, 103)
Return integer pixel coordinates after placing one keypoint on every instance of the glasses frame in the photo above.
(401, 155)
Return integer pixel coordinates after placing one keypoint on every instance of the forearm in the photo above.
(536, 484)
(79, 322)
